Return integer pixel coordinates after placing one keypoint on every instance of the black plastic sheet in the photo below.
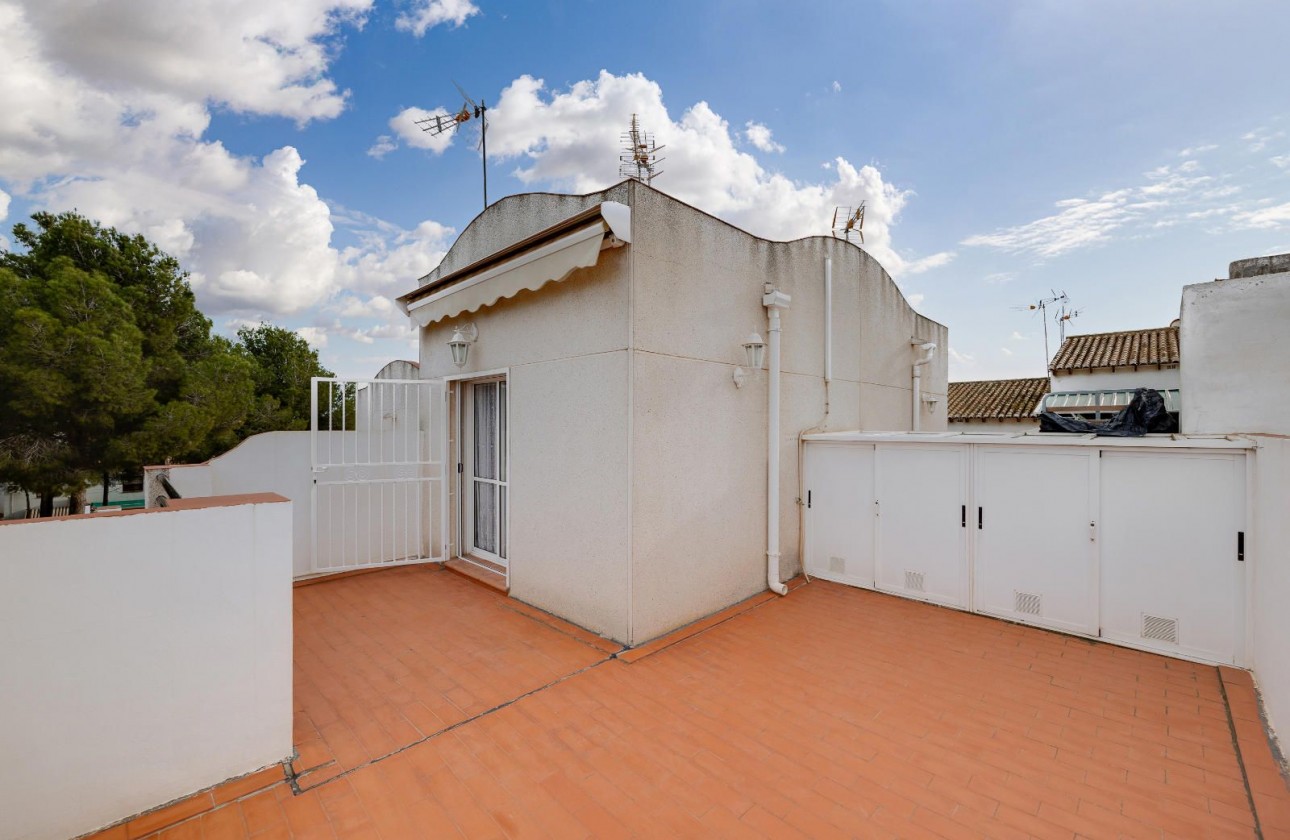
(1144, 414)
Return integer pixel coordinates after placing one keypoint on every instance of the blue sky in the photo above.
(1117, 151)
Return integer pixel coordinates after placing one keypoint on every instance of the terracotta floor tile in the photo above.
(433, 707)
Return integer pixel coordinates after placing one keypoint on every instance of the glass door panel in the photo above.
(488, 471)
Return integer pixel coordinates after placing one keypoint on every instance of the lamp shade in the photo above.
(460, 347)
(755, 351)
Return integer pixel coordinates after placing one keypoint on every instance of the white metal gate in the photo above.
(379, 494)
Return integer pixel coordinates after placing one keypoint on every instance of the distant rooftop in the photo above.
(996, 399)
(1158, 346)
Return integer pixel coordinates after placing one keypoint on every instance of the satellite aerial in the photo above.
(1064, 313)
(848, 221)
(639, 154)
(437, 124)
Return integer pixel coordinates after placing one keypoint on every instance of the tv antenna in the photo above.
(847, 221)
(1063, 313)
(437, 124)
(639, 154)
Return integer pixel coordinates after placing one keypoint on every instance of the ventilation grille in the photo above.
(1027, 602)
(838, 565)
(1159, 628)
(914, 581)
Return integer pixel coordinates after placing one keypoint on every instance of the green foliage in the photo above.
(72, 376)
(150, 281)
(106, 364)
(284, 363)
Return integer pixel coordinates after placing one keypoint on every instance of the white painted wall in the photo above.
(1269, 558)
(1236, 356)
(698, 442)
(1120, 379)
(357, 523)
(564, 350)
(143, 656)
(638, 469)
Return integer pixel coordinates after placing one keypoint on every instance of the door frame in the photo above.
(463, 453)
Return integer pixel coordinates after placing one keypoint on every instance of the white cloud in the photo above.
(760, 136)
(915, 300)
(1000, 278)
(1281, 161)
(837, 87)
(1259, 138)
(1006, 351)
(315, 336)
(927, 263)
(148, 55)
(382, 146)
(1263, 218)
(1016, 336)
(569, 139)
(4, 205)
(404, 125)
(1167, 196)
(1192, 151)
(105, 107)
(961, 358)
(427, 14)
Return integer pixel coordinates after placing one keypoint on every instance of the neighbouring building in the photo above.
(1094, 375)
(1237, 375)
(996, 405)
(611, 427)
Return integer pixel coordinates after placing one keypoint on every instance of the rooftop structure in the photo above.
(996, 399)
(1128, 348)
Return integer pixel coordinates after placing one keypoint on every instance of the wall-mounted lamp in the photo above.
(754, 355)
(459, 344)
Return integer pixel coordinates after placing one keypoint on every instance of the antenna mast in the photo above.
(437, 124)
(1063, 314)
(639, 154)
(848, 221)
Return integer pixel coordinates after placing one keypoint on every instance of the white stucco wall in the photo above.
(698, 442)
(1270, 587)
(143, 656)
(1148, 376)
(279, 462)
(638, 469)
(1236, 358)
(564, 350)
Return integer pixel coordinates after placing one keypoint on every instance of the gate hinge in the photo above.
(461, 468)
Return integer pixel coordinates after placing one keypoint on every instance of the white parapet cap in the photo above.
(1154, 441)
(545, 257)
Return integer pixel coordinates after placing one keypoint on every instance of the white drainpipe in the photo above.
(774, 301)
(828, 330)
(928, 348)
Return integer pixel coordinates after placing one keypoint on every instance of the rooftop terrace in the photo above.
(430, 706)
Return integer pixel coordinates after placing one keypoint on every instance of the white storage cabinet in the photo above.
(1137, 541)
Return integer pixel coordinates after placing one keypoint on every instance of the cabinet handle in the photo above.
(962, 516)
(980, 519)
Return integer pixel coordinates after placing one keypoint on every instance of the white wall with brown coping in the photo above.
(144, 655)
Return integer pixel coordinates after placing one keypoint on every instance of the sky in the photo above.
(1006, 151)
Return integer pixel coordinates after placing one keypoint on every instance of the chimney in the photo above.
(1258, 266)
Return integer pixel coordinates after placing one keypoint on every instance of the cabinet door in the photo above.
(1171, 577)
(839, 512)
(1036, 552)
(921, 505)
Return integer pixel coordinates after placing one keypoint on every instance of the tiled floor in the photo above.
(830, 713)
